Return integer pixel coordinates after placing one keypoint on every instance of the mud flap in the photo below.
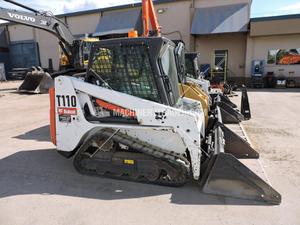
(245, 106)
(37, 82)
(228, 114)
(237, 146)
(227, 176)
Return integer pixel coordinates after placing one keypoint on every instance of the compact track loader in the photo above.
(194, 86)
(127, 120)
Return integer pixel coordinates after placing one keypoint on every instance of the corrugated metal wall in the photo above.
(4, 49)
(24, 54)
(4, 58)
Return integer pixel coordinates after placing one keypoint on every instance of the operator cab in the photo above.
(192, 65)
(142, 67)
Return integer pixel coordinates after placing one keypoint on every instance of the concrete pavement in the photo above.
(38, 186)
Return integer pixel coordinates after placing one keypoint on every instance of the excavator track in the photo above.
(113, 154)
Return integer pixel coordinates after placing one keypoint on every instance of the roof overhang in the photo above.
(221, 19)
(119, 23)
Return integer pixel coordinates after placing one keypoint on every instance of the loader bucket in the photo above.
(229, 115)
(237, 146)
(222, 98)
(232, 143)
(225, 99)
(37, 82)
(227, 176)
(245, 106)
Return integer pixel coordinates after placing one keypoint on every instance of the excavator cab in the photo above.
(193, 72)
(192, 60)
(86, 49)
(81, 49)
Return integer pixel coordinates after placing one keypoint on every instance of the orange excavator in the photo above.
(150, 17)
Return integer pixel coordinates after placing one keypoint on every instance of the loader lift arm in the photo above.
(48, 22)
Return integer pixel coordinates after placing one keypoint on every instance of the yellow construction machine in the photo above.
(194, 86)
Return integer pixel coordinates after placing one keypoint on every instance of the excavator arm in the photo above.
(150, 17)
(45, 21)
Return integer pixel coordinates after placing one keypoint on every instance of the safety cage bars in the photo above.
(125, 68)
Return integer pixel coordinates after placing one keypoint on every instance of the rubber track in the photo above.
(175, 160)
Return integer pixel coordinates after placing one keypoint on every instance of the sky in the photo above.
(260, 8)
(264, 8)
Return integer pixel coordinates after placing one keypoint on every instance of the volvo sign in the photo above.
(21, 17)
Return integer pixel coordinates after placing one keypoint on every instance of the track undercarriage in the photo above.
(116, 155)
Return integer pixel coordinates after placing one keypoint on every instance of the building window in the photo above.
(272, 56)
(219, 69)
(284, 56)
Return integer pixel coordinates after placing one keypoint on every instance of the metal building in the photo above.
(220, 30)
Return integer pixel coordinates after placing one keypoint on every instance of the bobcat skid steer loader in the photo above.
(128, 121)
(229, 112)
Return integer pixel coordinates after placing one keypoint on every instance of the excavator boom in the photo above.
(37, 81)
(40, 20)
(150, 17)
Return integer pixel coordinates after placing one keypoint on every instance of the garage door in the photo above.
(24, 55)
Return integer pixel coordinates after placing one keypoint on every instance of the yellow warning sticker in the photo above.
(129, 161)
